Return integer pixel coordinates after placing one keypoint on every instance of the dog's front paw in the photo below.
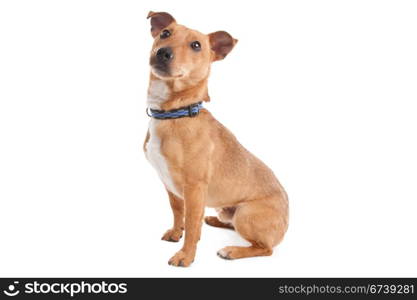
(181, 259)
(172, 235)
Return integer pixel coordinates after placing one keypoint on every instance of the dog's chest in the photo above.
(157, 159)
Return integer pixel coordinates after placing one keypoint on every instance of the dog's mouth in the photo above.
(164, 72)
(160, 70)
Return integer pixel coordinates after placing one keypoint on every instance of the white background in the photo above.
(323, 91)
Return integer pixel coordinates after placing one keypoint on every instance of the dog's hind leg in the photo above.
(234, 252)
(224, 220)
(261, 222)
(215, 222)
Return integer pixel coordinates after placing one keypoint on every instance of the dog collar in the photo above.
(185, 111)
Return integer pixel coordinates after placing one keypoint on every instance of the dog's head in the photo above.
(182, 53)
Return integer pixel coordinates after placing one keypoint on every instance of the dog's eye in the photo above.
(196, 46)
(165, 33)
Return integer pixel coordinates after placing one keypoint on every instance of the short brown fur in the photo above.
(206, 163)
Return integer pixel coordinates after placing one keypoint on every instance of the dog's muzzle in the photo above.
(160, 62)
(164, 55)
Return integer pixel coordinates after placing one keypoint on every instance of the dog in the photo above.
(200, 162)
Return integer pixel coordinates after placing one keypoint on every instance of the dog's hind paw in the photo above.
(224, 253)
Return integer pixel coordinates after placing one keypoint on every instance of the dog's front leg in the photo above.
(175, 233)
(194, 196)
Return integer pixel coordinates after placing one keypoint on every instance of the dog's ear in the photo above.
(221, 43)
(159, 21)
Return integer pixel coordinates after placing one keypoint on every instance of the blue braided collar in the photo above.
(186, 111)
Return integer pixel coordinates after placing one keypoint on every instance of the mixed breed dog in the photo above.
(200, 162)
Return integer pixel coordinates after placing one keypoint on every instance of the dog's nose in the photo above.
(164, 55)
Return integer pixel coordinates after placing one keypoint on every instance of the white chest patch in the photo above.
(157, 160)
(158, 92)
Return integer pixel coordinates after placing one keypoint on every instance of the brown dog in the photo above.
(199, 161)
